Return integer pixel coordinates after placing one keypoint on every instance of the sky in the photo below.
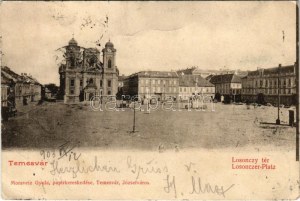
(149, 35)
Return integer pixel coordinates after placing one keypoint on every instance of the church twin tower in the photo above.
(83, 76)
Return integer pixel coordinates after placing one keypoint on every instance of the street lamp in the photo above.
(133, 129)
(278, 95)
(164, 91)
(234, 93)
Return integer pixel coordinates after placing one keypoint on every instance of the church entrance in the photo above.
(90, 91)
(91, 96)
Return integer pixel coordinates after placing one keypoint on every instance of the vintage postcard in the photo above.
(150, 100)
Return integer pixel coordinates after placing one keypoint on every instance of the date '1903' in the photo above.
(66, 150)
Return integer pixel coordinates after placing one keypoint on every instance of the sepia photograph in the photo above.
(150, 100)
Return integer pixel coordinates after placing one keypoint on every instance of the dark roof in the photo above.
(5, 79)
(192, 80)
(272, 71)
(23, 78)
(73, 42)
(209, 77)
(7, 72)
(226, 78)
(156, 74)
(109, 44)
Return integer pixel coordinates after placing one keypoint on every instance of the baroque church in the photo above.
(83, 76)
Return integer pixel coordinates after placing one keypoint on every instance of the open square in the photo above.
(229, 126)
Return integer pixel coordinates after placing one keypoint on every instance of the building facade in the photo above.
(263, 85)
(26, 89)
(7, 86)
(162, 84)
(84, 76)
(190, 85)
(227, 85)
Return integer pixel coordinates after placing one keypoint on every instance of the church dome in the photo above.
(109, 44)
(73, 42)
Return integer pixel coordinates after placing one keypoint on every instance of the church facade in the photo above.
(84, 76)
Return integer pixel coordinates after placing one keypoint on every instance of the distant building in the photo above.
(121, 83)
(48, 94)
(190, 85)
(7, 86)
(26, 89)
(262, 85)
(197, 71)
(228, 85)
(162, 84)
(209, 73)
(84, 76)
(50, 91)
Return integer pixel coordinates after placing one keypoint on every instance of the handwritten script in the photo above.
(180, 181)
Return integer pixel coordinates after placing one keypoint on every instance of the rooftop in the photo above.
(273, 70)
(156, 74)
(225, 78)
(23, 78)
(193, 80)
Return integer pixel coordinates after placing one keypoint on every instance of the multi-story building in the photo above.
(263, 85)
(84, 76)
(190, 85)
(162, 84)
(26, 89)
(227, 85)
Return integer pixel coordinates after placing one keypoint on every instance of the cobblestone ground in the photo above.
(229, 126)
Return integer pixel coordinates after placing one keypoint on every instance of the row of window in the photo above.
(27, 88)
(270, 87)
(72, 92)
(267, 91)
(223, 91)
(236, 85)
(267, 83)
(232, 91)
(152, 81)
(193, 89)
(91, 81)
(158, 89)
(222, 86)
